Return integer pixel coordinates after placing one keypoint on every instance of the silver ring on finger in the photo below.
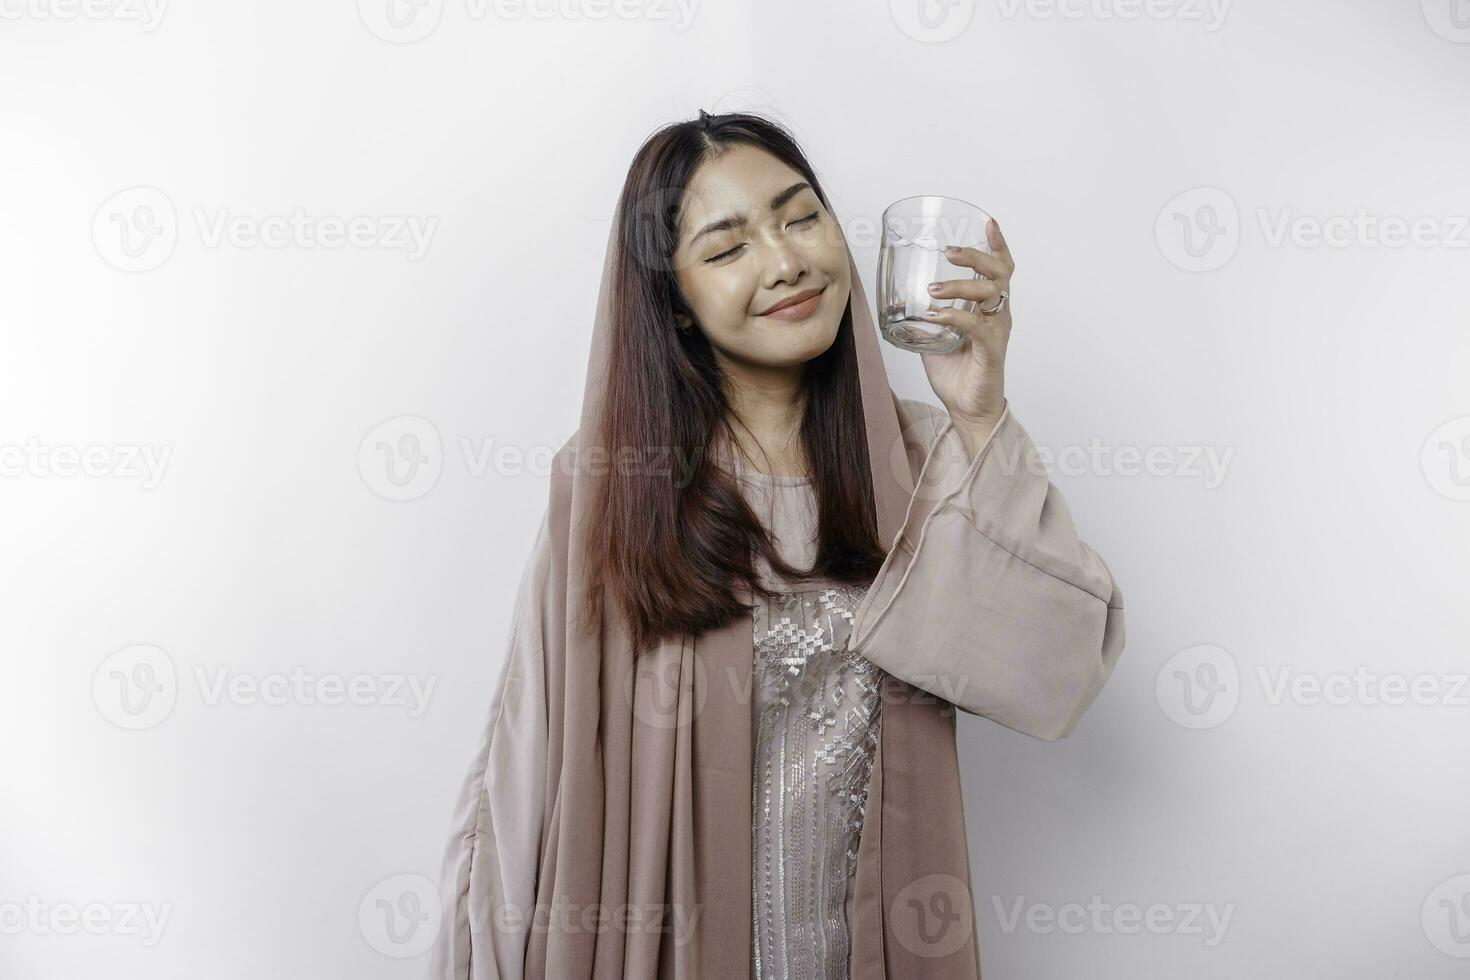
(1004, 296)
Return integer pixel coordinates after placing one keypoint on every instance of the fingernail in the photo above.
(951, 249)
(934, 287)
(930, 314)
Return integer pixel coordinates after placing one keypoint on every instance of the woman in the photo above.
(722, 743)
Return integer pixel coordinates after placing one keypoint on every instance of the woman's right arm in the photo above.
(489, 874)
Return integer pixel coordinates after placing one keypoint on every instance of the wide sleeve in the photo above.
(990, 600)
(488, 878)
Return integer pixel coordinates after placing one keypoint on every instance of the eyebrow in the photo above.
(740, 220)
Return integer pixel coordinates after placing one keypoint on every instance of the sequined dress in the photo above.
(815, 721)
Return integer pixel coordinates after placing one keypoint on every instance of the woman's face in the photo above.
(771, 241)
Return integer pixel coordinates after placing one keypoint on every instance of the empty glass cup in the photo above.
(916, 231)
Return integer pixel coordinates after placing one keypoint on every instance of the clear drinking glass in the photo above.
(911, 256)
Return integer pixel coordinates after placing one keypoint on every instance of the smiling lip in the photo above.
(798, 307)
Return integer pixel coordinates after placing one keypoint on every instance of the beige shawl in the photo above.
(640, 774)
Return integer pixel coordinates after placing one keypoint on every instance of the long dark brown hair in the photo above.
(670, 543)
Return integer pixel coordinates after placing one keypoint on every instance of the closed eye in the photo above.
(799, 221)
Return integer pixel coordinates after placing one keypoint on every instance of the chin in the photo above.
(808, 340)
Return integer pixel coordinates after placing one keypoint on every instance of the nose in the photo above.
(785, 262)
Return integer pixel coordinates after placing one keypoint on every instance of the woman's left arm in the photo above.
(990, 601)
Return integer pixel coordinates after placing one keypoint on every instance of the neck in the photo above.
(766, 410)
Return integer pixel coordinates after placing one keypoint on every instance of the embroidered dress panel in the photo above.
(816, 715)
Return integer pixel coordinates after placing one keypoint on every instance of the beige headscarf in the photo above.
(649, 765)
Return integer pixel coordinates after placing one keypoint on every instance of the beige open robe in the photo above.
(614, 798)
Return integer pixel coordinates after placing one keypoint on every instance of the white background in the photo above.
(1332, 378)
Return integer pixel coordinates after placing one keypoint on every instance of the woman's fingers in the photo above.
(989, 266)
(983, 291)
(998, 246)
(997, 264)
(996, 267)
(974, 324)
